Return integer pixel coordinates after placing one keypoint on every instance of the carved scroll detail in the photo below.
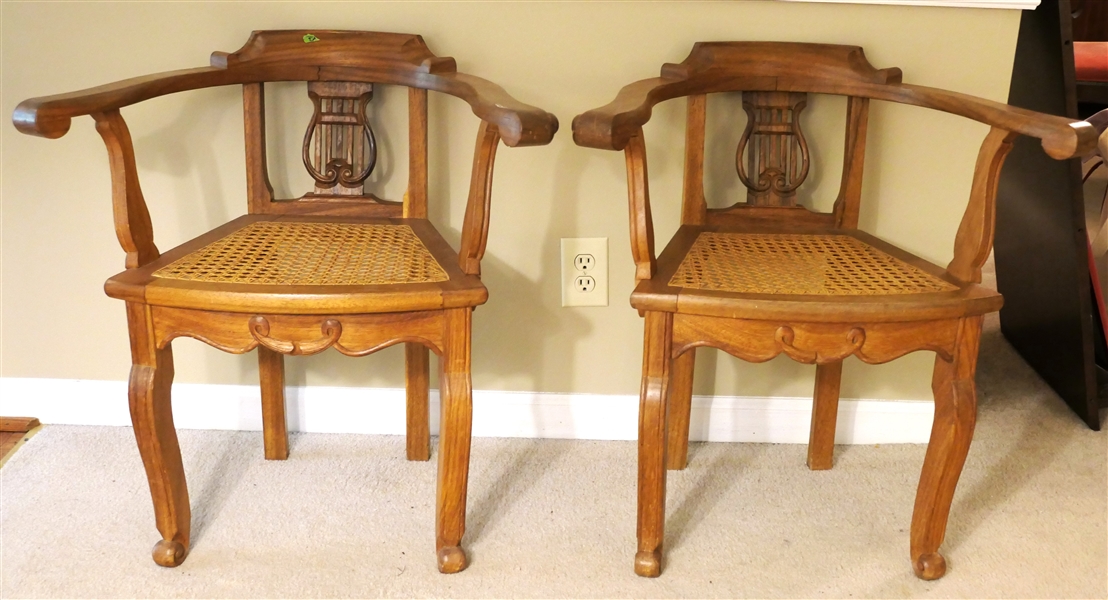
(785, 338)
(818, 343)
(777, 157)
(340, 149)
(331, 329)
(352, 335)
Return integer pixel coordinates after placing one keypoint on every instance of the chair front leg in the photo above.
(152, 418)
(416, 383)
(951, 433)
(271, 371)
(657, 346)
(680, 411)
(454, 440)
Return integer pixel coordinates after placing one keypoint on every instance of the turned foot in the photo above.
(169, 553)
(648, 564)
(930, 566)
(452, 559)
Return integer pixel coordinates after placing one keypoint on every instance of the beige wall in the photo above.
(58, 242)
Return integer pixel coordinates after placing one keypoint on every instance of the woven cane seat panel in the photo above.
(284, 253)
(794, 264)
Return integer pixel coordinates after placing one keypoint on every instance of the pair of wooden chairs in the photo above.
(342, 268)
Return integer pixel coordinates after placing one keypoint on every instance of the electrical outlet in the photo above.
(584, 284)
(584, 271)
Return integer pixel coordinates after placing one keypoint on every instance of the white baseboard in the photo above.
(495, 414)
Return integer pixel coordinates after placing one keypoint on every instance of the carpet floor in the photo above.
(347, 516)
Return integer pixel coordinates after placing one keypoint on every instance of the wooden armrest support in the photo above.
(519, 124)
(638, 198)
(475, 227)
(132, 218)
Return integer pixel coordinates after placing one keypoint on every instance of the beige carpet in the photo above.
(346, 516)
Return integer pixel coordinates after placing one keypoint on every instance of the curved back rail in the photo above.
(339, 147)
(774, 77)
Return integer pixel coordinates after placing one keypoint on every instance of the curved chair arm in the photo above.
(50, 116)
(1061, 137)
(519, 124)
(611, 126)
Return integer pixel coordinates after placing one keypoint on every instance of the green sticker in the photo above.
(309, 38)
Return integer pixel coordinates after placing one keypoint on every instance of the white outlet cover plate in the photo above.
(598, 248)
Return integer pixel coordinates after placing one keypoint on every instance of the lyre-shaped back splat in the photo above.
(340, 150)
(777, 160)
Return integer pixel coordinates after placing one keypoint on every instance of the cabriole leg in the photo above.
(825, 412)
(951, 433)
(680, 411)
(417, 378)
(652, 442)
(271, 371)
(152, 418)
(454, 440)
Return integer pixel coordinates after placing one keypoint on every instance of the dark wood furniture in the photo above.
(1041, 254)
(337, 267)
(768, 276)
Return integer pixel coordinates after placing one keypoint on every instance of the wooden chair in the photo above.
(337, 267)
(769, 276)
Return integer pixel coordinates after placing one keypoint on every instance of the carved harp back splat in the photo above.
(340, 149)
(776, 151)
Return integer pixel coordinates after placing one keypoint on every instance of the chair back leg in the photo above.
(680, 411)
(417, 386)
(825, 412)
(271, 371)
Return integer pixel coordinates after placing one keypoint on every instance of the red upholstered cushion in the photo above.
(1091, 60)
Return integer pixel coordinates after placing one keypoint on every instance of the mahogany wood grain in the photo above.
(818, 327)
(418, 400)
(271, 371)
(951, 433)
(475, 227)
(642, 224)
(825, 412)
(152, 419)
(814, 68)
(132, 218)
(259, 191)
(694, 209)
(456, 393)
(396, 59)
(652, 442)
(974, 241)
(240, 313)
(415, 201)
(849, 202)
(680, 410)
